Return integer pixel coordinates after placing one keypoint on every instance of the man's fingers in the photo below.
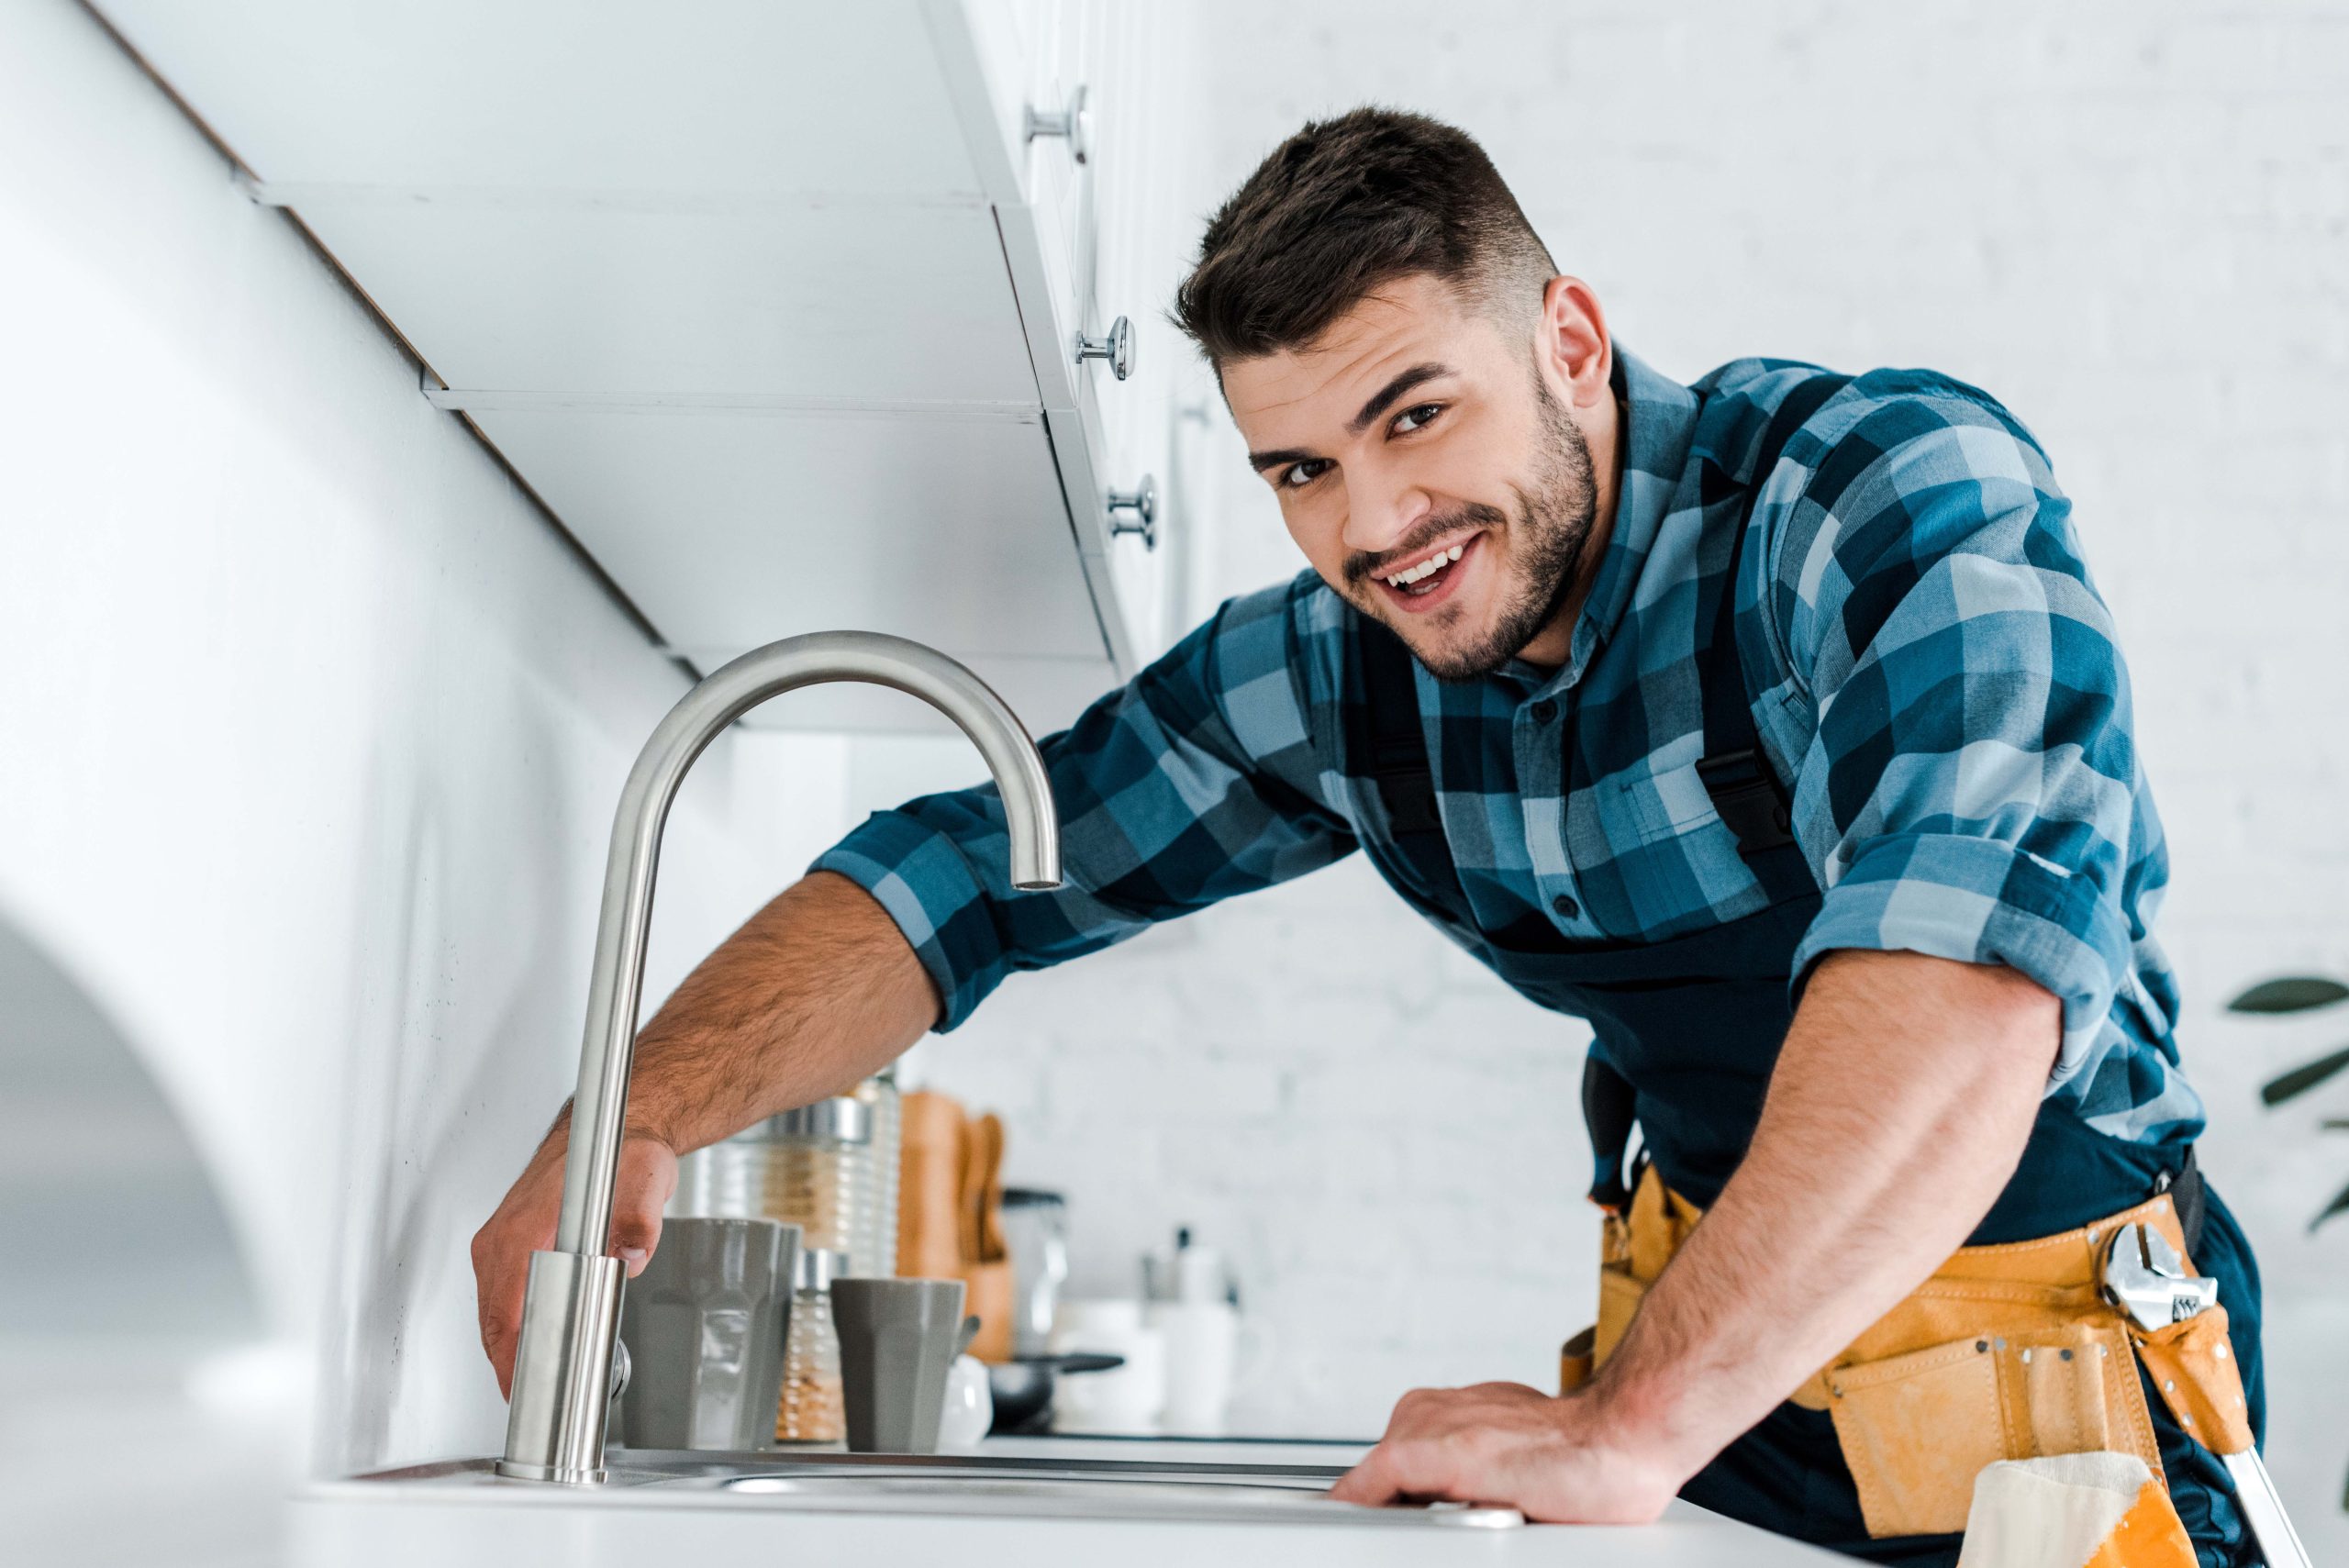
(648, 1175)
(497, 1340)
(501, 1273)
(524, 1223)
(500, 1317)
(1368, 1483)
(1407, 1470)
(635, 1234)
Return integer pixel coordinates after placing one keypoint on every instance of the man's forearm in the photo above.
(816, 991)
(1898, 1108)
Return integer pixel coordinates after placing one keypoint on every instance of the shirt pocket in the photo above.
(1652, 859)
(1664, 803)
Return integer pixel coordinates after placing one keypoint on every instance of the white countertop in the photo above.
(359, 1524)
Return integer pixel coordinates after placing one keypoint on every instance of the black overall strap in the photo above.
(1398, 764)
(1747, 794)
(2186, 1195)
(1609, 1110)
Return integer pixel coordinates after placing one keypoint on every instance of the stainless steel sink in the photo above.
(980, 1485)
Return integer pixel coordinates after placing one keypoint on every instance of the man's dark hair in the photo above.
(1342, 208)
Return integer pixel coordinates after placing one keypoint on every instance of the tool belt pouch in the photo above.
(1916, 1427)
(2008, 1353)
(2193, 1366)
(1575, 1363)
(1634, 1247)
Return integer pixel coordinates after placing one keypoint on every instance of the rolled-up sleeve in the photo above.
(1972, 786)
(1196, 781)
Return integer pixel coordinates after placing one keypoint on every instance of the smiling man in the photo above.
(1770, 723)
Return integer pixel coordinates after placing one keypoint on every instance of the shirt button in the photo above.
(1544, 711)
(1565, 906)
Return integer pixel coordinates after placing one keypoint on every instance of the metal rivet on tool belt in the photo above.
(2002, 1345)
(2169, 1386)
(2186, 1420)
(2066, 1354)
(2026, 1355)
(1981, 1345)
(2220, 1352)
(2092, 1235)
(2102, 1351)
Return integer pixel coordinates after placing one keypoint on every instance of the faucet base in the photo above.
(514, 1470)
(562, 1369)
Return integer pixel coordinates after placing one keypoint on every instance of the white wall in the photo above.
(2126, 221)
(313, 730)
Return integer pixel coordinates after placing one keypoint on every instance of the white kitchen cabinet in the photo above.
(1104, 239)
(780, 303)
(717, 98)
(776, 306)
(717, 519)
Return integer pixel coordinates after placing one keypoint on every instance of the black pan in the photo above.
(1022, 1387)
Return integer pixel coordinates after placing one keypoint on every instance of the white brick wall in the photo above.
(2129, 223)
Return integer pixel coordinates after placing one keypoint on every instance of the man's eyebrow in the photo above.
(1383, 399)
(1277, 457)
(1385, 395)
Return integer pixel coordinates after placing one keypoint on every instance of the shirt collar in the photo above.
(1659, 416)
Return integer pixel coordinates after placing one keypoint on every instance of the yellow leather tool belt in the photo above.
(2008, 1351)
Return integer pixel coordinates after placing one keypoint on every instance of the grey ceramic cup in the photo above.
(897, 1339)
(704, 1327)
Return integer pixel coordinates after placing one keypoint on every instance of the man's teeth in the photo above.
(1428, 567)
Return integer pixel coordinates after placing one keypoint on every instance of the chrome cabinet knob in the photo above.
(1143, 501)
(1071, 123)
(1115, 345)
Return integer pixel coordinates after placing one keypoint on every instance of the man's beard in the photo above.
(1553, 522)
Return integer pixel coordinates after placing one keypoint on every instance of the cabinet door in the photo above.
(1092, 242)
(1026, 59)
(1141, 232)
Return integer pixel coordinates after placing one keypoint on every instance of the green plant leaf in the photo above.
(2302, 1079)
(2291, 993)
(2340, 1205)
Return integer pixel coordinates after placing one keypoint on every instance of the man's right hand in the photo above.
(816, 991)
(525, 1223)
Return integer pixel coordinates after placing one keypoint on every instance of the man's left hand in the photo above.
(1556, 1460)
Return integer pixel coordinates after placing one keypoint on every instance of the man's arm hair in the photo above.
(1899, 1107)
(816, 991)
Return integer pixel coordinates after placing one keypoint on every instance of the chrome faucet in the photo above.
(562, 1364)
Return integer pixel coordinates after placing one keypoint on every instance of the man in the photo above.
(1772, 724)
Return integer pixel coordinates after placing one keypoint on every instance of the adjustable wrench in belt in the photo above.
(2144, 1277)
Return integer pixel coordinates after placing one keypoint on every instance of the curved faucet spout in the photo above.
(563, 1361)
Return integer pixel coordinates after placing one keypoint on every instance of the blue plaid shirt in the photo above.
(1946, 703)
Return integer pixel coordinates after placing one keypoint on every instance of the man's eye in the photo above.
(1417, 418)
(1297, 475)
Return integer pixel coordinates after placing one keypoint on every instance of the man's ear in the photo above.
(1572, 348)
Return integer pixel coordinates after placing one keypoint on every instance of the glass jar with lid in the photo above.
(829, 1167)
(873, 1250)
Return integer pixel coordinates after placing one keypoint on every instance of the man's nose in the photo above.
(1380, 513)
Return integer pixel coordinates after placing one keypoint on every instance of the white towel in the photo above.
(2049, 1512)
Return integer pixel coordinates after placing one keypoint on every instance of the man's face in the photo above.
(1427, 471)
